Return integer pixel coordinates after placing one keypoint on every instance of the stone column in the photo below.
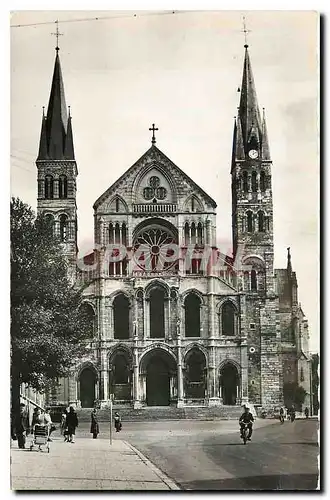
(212, 382)
(136, 401)
(104, 378)
(180, 402)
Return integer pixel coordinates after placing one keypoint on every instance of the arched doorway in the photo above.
(87, 382)
(195, 374)
(158, 382)
(229, 384)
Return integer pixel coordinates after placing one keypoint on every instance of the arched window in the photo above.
(117, 205)
(121, 317)
(245, 182)
(193, 204)
(254, 182)
(120, 370)
(261, 222)
(49, 187)
(262, 181)
(111, 234)
(89, 317)
(228, 319)
(63, 187)
(63, 227)
(196, 366)
(302, 378)
(199, 234)
(253, 280)
(192, 315)
(50, 221)
(193, 233)
(186, 233)
(249, 225)
(267, 223)
(157, 317)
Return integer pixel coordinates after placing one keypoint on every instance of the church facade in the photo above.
(174, 321)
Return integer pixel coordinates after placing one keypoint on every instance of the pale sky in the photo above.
(180, 72)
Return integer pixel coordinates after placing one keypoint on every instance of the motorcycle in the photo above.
(244, 433)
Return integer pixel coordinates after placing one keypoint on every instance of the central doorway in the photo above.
(229, 383)
(87, 388)
(158, 382)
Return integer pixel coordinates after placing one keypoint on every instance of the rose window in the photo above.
(153, 249)
(154, 191)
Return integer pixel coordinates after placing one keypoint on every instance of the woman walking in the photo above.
(72, 423)
(94, 424)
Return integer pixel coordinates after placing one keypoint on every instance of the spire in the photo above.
(69, 149)
(56, 128)
(248, 106)
(265, 154)
(43, 154)
(239, 143)
(289, 267)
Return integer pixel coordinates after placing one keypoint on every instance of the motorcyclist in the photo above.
(246, 418)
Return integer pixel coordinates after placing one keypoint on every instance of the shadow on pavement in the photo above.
(300, 482)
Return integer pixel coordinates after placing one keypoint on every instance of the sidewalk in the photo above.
(88, 464)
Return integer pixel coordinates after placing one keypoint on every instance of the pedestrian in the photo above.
(118, 424)
(72, 423)
(94, 424)
(293, 413)
(63, 421)
(48, 419)
(21, 426)
(306, 412)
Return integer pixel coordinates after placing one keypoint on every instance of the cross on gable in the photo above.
(153, 129)
(57, 34)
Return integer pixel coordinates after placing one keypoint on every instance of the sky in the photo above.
(180, 71)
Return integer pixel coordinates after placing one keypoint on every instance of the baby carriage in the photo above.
(40, 437)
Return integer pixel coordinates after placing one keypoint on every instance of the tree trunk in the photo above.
(15, 395)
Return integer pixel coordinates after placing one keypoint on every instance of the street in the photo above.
(208, 455)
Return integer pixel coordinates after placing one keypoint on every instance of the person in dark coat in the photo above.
(72, 424)
(94, 424)
(21, 426)
(306, 412)
(118, 424)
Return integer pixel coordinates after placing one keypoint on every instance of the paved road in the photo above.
(210, 455)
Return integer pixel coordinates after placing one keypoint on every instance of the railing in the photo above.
(154, 207)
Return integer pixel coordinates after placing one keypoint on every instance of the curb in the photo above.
(169, 482)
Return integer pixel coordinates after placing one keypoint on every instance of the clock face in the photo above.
(253, 153)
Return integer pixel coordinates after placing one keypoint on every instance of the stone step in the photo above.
(164, 413)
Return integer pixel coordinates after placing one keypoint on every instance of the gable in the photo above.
(154, 178)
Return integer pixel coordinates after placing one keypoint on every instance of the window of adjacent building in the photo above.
(262, 181)
(192, 315)
(253, 280)
(245, 182)
(261, 222)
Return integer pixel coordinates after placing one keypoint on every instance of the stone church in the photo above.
(173, 320)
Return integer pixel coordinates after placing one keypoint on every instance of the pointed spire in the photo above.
(265, 154)
(239, 143)
(43, 154)
(248, 106)
(56, 142)
(69, 149)
(289, 266)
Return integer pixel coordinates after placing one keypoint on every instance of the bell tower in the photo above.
(253, 242)
(57, 168)
(252, 201)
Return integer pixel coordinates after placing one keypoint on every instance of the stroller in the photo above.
(40, 437)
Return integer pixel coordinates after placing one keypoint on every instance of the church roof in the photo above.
(152, 152)
(56, 142)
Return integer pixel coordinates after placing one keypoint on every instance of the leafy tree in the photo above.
(315, 383)
(48, 328)
(293, 394)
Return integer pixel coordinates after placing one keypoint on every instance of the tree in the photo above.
(315, 383)
(293, 394)
(49, 330)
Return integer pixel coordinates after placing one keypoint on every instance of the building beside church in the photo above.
(175, 321)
